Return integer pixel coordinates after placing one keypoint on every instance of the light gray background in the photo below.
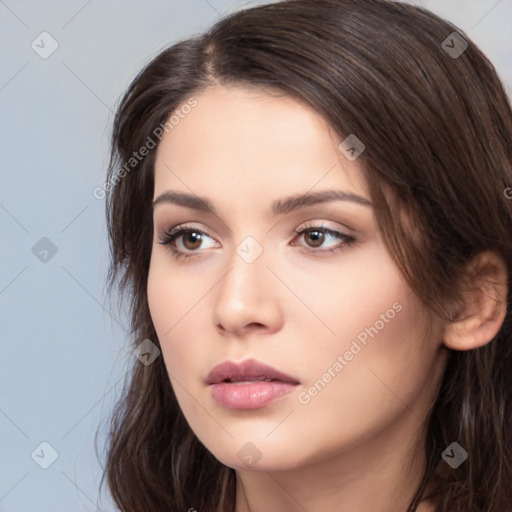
(62, 353)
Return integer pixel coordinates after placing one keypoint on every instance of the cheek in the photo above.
(175, 319)
(171, 293)
(377, 349)
(160, 301)
(165, 306)
(363, 296)
(380, 365)
(176, 305)
(354, 390)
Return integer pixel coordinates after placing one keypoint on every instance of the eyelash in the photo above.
(171, 235)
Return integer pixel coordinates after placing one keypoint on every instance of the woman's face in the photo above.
(327, 307)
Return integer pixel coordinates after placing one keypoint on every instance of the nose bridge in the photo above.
(247, 266)
(244, 297)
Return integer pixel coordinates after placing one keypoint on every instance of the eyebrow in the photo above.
(279, 207)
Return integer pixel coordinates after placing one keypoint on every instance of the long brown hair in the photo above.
(437, 129)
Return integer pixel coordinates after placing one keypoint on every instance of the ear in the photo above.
(484, 305)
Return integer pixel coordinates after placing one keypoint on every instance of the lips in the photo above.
(247, 371)
(248, 385)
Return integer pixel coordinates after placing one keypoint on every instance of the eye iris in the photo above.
(194, 237)
(318, 237)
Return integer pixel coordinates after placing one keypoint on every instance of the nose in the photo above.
(248, 298)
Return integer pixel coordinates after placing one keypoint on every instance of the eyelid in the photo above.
(319, 224)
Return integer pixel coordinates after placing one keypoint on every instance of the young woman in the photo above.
(310, 208)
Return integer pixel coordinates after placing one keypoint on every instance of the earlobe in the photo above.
(478, 321)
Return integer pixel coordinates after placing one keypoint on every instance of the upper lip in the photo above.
(249, 369)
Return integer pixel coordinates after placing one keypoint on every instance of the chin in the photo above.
(257, 456)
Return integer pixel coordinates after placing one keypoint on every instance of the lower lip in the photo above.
(252, 395)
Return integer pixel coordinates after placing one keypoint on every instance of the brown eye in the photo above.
(184, 241)
(316, 236)
(192, 239)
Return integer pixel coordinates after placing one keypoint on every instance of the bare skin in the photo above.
(348, 447)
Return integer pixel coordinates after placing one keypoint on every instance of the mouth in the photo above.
(249, 370)
(247, 380)
(248, 385)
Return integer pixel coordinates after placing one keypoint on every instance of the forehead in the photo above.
(241, 137)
